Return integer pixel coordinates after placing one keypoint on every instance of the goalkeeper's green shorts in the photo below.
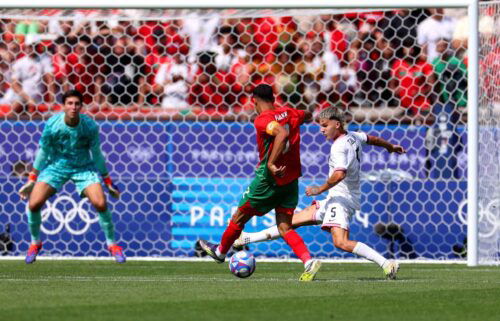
(263, 196)
(57, 176)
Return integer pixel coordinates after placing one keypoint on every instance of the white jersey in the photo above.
(431, 30)
(175, 93)
(30, 72)
(345, 155)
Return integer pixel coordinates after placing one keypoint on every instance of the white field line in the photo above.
(211, 279)
(197, 259)
(190, 279)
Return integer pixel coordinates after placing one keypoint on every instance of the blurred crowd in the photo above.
(209, 65)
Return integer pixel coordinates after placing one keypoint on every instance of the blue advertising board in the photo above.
(182, 181)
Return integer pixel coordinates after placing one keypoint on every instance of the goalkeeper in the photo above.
(69, 150)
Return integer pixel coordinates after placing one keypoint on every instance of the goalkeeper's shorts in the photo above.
(57, 176)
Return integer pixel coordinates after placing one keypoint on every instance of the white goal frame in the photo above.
(473, 45)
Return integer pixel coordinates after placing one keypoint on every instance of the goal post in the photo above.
(473, 138)
(184, 188)
(488, 223)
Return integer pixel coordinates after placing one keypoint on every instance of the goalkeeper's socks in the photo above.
(230, 235)
(297, 244)
(107, 226)
(368, 253)
(34, 223)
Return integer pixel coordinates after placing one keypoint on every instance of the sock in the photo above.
(107, 226)
(297, 244)
(218, 253)
(368, 253)
(268, 234)
(230, 235)
(34, 222)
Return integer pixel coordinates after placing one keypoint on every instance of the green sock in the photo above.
(34, 222)
(107, 226)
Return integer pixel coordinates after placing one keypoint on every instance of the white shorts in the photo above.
(333, 212)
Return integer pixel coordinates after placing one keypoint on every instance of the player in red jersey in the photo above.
(275, 185)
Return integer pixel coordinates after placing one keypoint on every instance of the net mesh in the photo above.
(489, 116)
(171, 93)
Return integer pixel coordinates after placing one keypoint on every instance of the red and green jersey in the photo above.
(290, 119)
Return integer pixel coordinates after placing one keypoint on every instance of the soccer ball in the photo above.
(242, 264)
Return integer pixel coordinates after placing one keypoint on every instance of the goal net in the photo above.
(170, 90)
(489, 135)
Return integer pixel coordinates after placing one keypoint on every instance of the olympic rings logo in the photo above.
(63, 221)
(489, 217)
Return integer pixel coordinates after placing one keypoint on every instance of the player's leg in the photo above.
(39, 195)
(293, 239)
(49, 181)
(303, 218)
(254, 202)
(341, 241)
(219, 251)
(336, 219)
(234, 229)
(288, 198)
(95, 194)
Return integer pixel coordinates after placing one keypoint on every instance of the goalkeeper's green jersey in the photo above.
(70, 148)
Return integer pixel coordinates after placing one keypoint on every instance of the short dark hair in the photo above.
(264, 92)
(72, 93)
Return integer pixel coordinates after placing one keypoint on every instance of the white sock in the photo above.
(268, 234)
(218, 253)
(368, 253)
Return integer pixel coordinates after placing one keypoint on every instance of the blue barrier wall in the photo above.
(181, 181)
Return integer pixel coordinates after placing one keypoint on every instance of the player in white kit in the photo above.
(336, 210)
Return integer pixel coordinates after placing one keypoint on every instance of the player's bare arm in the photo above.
(280, 136)
(333, 180)
(377, 141)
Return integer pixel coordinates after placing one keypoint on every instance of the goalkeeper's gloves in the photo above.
(25, 191)
(112, 189)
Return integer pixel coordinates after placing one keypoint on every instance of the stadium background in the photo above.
(172, 99)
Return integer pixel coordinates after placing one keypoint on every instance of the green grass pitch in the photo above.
(139, 290)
